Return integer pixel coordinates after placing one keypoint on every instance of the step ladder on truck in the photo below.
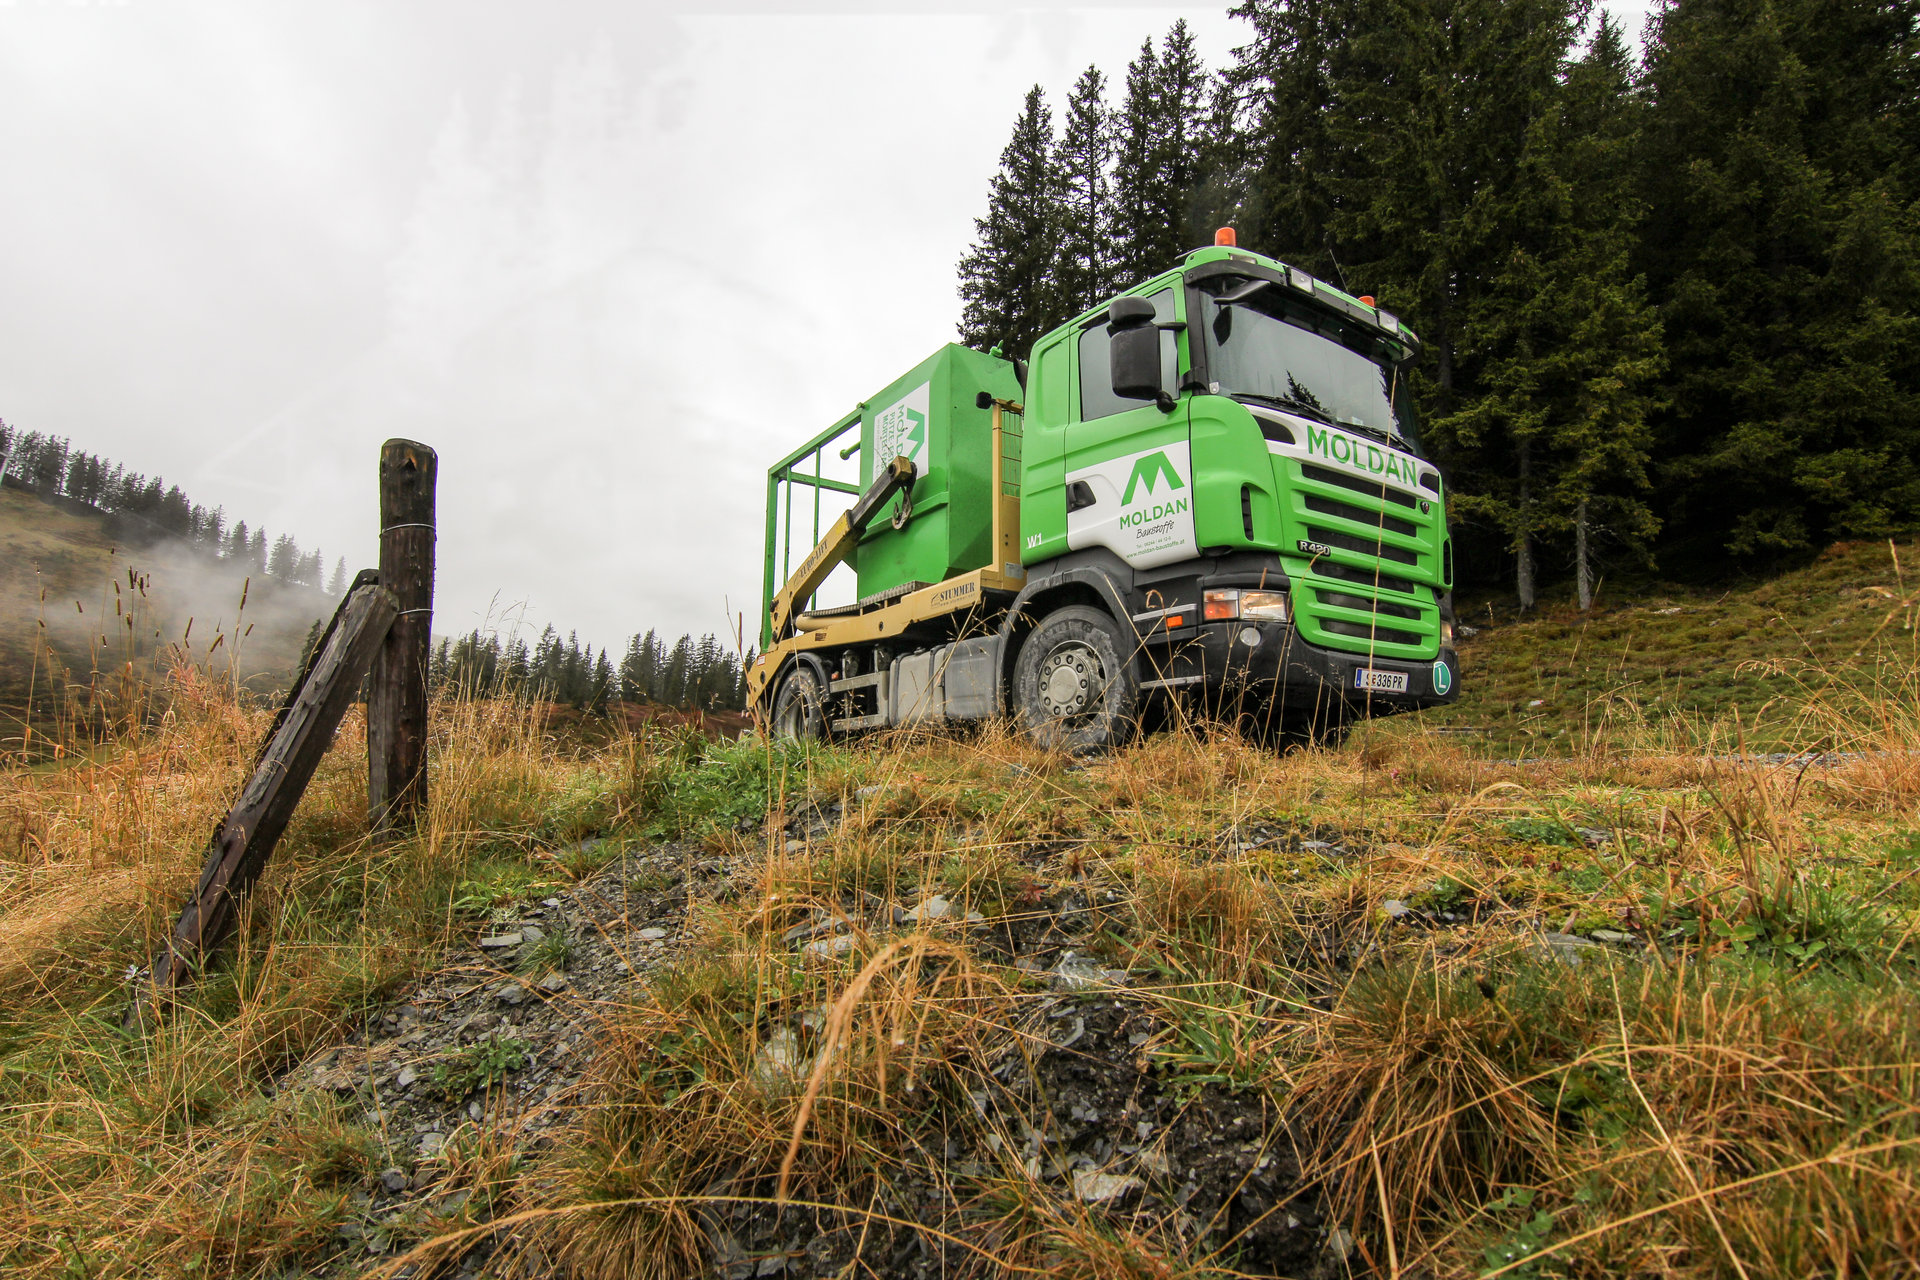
(1208, 490)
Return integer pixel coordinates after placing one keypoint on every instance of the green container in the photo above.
(931, 415)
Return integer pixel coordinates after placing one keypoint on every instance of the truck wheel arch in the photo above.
(1085, 585)
(801, 659)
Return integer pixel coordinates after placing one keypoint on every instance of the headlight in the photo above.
(1263, 606)
(1446, 631)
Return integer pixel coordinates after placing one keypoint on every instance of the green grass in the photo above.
(1671, 660)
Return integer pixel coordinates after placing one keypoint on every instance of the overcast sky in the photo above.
(610, 260)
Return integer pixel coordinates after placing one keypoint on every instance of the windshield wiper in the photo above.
(1293, 405)
(1307, 410)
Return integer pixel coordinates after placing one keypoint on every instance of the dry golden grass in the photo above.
(170, 1154)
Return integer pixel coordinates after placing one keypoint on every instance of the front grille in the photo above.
(1347, 511)
(1373, 635)
(1326, 475)
(1367, 578)
(1377, 593)
(1342, 600)
(1347, 542)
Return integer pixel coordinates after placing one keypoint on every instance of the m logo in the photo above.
(900, 429)
(1148, 470)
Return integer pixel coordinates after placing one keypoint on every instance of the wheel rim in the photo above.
(1072, 681)
(795, 718)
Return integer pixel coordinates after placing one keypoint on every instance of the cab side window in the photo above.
(1096, 378)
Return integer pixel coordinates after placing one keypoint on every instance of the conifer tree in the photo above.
(1557, 437)
(1437, 128)
(673, 679)
(1783, 240)
(1134, 153)
(1611, 351)
(1084, 160)
(1161, 132)
(1007, 279)
(283, 559)
(515, 666)
(601, 686)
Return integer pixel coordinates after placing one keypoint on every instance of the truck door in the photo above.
(1129, 477)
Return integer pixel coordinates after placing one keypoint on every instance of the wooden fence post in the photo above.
(397, 701)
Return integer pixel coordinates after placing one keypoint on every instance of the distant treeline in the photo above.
(1670, 304)
(688, 674)
(51, 467)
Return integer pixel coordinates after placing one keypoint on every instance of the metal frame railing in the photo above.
(782, 476)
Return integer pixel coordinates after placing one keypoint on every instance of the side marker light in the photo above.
(1220, 606)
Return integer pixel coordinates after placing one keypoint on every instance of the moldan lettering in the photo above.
(1337, 446)
(1145, 514)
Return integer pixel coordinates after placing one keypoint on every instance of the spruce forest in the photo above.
(1668, 298)
(147, 509)
(686, 674)
(689, 674)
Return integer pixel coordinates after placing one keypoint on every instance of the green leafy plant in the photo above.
(1525, 1239)
(480, 1065)
(1447, 894)
(1543, 831)
(726, 782)
(1783, 916)
(554, 952)
(494, 885)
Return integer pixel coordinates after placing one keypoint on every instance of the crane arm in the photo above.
(838, 543)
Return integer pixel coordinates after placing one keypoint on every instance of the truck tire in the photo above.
(1072, 688)
(800, 706)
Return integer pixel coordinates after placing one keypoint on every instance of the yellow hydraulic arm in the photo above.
(839, 541)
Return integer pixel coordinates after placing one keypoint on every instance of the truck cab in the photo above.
(1263, 509)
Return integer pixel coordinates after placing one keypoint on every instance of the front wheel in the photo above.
(1072, 687)
(800, 707)
(1326, 728)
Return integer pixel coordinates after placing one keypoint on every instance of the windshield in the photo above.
(1280, 349)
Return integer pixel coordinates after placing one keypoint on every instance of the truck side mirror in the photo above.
(1135, 350)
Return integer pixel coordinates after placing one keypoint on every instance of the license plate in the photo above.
(1372, 681)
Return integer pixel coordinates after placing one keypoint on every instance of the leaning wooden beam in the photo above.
(300, 736)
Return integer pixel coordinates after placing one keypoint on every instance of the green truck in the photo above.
(1209, 491)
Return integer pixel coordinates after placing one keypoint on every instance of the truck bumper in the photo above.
(1269, 659)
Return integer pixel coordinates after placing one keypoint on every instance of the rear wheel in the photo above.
(1072, 687)
(800, 707)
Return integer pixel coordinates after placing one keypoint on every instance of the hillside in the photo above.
(1676, 663)
(1413, 1007)
(69, 586)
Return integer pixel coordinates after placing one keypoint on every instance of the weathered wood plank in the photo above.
(300, 737)
(397, 698)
